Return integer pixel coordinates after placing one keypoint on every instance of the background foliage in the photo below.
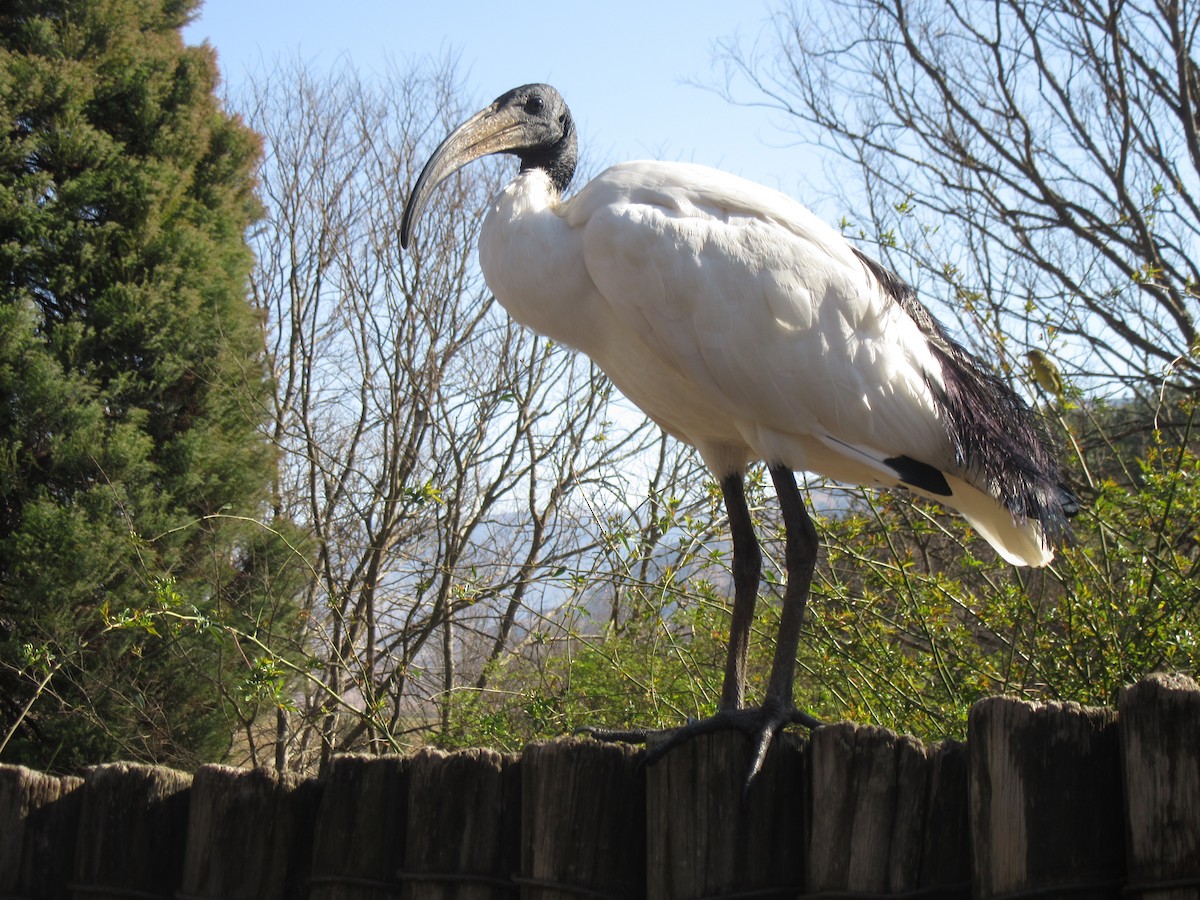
(270, 490)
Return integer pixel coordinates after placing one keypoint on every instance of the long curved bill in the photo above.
(491, 130)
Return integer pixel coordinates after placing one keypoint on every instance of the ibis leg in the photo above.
(800, 560)
(760, 724)
(747, 567)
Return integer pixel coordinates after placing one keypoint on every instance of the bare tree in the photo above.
(445, 463)
(1037, 159)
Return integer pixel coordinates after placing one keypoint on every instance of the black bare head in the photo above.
(531, 122)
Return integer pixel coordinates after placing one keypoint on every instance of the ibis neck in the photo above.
(558, 160)
(527, 252)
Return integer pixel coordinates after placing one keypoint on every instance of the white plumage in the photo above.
(747, 327)
(738, 321)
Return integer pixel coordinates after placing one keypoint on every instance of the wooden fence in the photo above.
(1044, 800)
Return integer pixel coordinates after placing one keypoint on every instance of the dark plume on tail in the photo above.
(997, 438)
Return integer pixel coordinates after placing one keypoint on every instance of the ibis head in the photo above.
(531, 122)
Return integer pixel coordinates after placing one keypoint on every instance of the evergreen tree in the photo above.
(132, 464)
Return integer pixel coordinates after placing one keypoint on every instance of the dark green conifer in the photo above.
(132, 389)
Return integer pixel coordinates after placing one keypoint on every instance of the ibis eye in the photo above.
(534, 105)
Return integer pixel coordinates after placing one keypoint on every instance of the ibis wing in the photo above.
(763, 307)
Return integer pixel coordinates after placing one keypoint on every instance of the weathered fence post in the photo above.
(1046, 803)
(132, 832)
(358, 842)
(583, 821)
(877, 801)
(464, 826)
(946, 857)
(39, 818)
(1160, 743)
(705, 836)
(249, 834)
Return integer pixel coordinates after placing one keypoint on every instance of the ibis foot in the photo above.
(760, 724)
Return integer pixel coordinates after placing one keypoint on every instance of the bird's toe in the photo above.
(615, 735)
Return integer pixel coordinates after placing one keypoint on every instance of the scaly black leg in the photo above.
(747, 568)
(800, 561)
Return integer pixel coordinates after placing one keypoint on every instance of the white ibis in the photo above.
(745, 326)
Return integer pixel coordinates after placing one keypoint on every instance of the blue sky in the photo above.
(624, 67)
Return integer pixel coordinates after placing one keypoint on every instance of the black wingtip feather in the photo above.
(921, 475)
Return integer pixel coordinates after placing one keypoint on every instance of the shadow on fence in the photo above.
(1044, 800)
